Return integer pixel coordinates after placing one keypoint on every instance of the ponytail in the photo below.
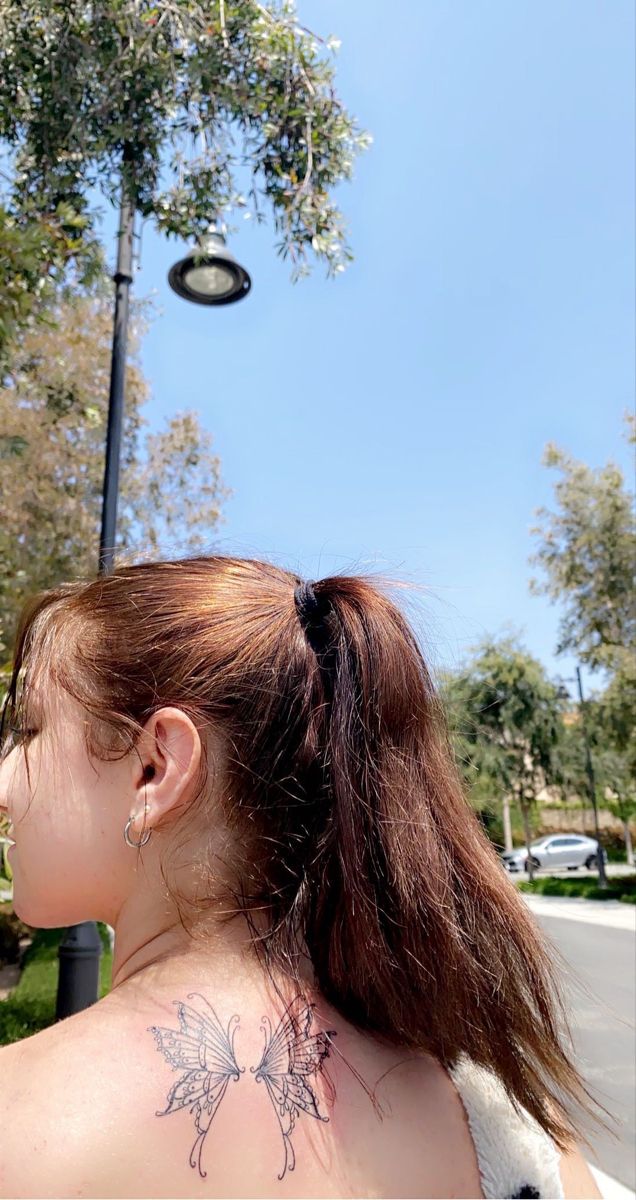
(414, 931)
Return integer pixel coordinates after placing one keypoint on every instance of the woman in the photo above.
(323, 984)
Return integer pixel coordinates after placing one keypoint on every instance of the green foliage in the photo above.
(6, 873)
(617, 715)
(505, 722)
(53, 421)
(31, 1005)
(11, 930)
(614, 846)
(619, 888)
(615, 775)
(587, 551)
(37, 252)
(504, 715)
(185, 100)
(570, 774)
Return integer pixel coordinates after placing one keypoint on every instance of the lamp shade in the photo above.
(210, 274)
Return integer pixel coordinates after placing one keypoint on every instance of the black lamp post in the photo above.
(208, 275)
(589, 766)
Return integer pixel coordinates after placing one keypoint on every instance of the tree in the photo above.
(587, 550)
(617, 777)
(479, 760)
(511, 724)
(617, 737)
(38, 256)
(190, 104)
(612, 748)
(570, 775)
(181, 106)
(617, 712)
(53, 417)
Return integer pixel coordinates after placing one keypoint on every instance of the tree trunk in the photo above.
(507, 826)
(526, 829)
(628, 844)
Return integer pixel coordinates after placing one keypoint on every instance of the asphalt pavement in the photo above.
(597, 940)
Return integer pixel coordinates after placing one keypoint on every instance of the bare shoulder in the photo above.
(576, 1177)
(54, 1092)
(131, 1099)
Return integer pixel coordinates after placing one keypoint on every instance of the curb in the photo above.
(610, 913)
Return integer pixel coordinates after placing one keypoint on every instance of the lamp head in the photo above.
(210, 274)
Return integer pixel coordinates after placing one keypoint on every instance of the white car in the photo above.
(557, 852)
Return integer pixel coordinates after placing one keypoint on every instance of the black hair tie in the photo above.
(312, 609)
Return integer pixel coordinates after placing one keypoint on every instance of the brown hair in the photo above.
(352, 833)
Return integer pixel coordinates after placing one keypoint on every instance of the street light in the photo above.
(210, 274)
(589, 766)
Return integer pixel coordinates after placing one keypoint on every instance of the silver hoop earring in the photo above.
(142, 842)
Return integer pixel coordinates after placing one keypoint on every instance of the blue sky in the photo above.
(394, 419)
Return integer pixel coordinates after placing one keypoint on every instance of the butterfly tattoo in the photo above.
(205, 1052)
(291, 1055)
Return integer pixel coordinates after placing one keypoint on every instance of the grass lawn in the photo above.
(31, 1005)
(621, 887)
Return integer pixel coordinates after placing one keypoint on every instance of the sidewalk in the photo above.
(612, 913)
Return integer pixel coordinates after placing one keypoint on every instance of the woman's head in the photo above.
(120, 707)
(69, 810)
(295, 760)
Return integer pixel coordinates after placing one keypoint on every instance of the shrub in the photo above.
(11, 930)
(31, 1005)
(619, 889)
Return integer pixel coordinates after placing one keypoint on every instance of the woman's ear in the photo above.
(167, 764)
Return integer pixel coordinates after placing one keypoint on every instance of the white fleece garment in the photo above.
(516, 1156)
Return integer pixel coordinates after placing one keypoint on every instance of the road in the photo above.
(598, 942)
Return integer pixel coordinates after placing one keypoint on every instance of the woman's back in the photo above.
(98, 1081)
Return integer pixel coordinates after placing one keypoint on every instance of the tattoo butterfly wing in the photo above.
(291, 1054)
(205, 1052)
